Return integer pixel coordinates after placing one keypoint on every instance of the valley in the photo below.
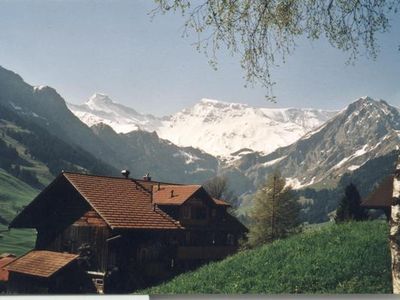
(318, 152)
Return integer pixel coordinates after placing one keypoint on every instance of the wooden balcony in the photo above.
(209, 252)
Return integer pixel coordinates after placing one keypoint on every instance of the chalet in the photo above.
(125, 233)
(381, 197)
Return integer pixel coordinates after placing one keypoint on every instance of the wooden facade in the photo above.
(130, 234)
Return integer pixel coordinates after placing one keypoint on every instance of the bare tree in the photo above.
(218, 187)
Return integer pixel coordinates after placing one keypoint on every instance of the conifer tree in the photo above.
(349, 207)
(275, 213)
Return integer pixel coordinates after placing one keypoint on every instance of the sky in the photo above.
(80, 47)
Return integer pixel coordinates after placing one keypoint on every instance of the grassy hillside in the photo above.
(334, 259)
(17, 241)
(14, 194)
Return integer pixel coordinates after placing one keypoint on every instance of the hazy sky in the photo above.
(113, 47)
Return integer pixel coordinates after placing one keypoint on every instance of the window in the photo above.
(213, 213)
(230, 239)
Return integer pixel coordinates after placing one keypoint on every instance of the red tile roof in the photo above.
(121, 202)
(173, 194)
(381, 196)
(5, 260)
(41, 263)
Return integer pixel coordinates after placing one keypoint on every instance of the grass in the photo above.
(17, 241)
(332, 259)
(14, 194)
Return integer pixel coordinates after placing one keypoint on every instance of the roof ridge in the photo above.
(142, 186)
(118, 177)
(94, 175)
(183, 185)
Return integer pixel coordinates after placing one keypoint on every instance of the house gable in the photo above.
(55, 208)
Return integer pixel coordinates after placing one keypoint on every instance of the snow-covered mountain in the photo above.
(222, 128)
(101, 109)
(365, 130)
(216, 127)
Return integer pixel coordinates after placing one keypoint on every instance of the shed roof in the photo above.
(381, 197)
(41, 263)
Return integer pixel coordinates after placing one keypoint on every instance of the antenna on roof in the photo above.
(125, 173)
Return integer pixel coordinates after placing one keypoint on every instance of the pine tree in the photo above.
(349, 207)
(275, 213)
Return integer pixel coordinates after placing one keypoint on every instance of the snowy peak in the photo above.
(367, 104)
(100, 108)
(98, 100)
(217, 104)
(222, 128)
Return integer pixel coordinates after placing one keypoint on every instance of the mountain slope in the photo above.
(144, 152)
(366, 129)
(46, 108)
(334, 259)
(216, 127)
(36, 142)
(318, 203)
(43, 127)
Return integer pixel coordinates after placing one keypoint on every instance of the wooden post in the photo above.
(394, 235)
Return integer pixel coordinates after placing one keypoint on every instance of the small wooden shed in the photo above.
(50, 272)
(381, 197)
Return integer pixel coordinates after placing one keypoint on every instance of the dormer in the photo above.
(190, 204)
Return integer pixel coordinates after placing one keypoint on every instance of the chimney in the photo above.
(125, 173)
(172, 193)
(158, 186)
(147, 177)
